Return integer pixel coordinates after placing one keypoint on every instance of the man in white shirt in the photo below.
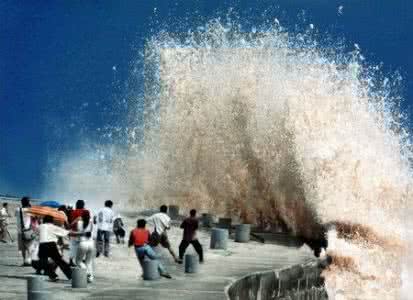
(48, 236)
(161, 222)
(104, 221)
(24, 245)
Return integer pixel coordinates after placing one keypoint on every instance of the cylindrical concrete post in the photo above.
(79, 278)
(207, 220)
(224, 223)
(191, 263)
(242, 233)
(36, 289)
(173, 211)
(150, 269)
(219, 238)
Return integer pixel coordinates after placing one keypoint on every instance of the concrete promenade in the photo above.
(119, 277)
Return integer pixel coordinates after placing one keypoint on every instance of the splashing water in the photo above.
(272, 126)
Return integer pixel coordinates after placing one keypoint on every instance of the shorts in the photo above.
(165, 240)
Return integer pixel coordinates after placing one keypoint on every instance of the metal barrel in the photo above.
(207, 220)
(191, 263)
(224, 223)
(79, 278)
(173, 211)
(242, 233)
(219, 238)
(150, 269)
(36, 289)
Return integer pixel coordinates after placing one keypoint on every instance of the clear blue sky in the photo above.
(57, 82)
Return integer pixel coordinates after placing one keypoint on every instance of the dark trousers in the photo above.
(103, 239)
(49, 250)
(120, 235)
(39, 268)
(198, 248)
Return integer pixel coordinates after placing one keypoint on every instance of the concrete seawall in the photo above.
(302, 281)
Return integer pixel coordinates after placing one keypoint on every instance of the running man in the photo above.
(161, 222)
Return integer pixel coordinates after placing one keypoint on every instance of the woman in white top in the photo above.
(86, 248)
(48, 236)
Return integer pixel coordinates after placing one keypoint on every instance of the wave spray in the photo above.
(271, 125)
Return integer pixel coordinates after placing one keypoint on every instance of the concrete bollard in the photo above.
(224, 223)
(150, 269)
(191, 263)
(219, 238)
(173, 211)
(242, 233)
(207, 220)
(36, 289)
(79, 278)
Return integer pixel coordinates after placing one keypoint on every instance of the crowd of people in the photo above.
(42, 239)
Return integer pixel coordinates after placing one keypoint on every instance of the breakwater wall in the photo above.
(302, 281)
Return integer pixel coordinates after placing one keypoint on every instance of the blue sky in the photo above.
(66, 65)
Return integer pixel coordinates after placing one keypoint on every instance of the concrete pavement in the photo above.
(119, 277)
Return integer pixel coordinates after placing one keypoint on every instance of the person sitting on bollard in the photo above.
(190, 226)
(139, 238)
(104, 221)
(119, 230)
(48, 236)
(86, 249)
(161, 222)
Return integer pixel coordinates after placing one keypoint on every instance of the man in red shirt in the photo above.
(74, 242)
(139, 238)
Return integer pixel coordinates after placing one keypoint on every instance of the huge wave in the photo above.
(271, 127)
(274, 126)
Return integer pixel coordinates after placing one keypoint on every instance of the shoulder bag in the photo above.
(27, 234)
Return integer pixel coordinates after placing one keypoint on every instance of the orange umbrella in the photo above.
(59, 217)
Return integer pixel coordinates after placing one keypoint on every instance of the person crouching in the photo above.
(48, 237)
(139, 238)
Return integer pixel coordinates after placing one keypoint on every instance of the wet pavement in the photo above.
(119, 277)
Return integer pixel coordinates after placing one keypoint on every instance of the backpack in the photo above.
(154, 238)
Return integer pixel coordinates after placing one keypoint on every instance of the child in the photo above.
(119, 230)
(139, 238)
(190, 226)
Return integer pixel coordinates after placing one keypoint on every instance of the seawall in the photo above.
(301, 281)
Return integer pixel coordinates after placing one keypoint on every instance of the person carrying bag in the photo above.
(25, 235)
(28, 234)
